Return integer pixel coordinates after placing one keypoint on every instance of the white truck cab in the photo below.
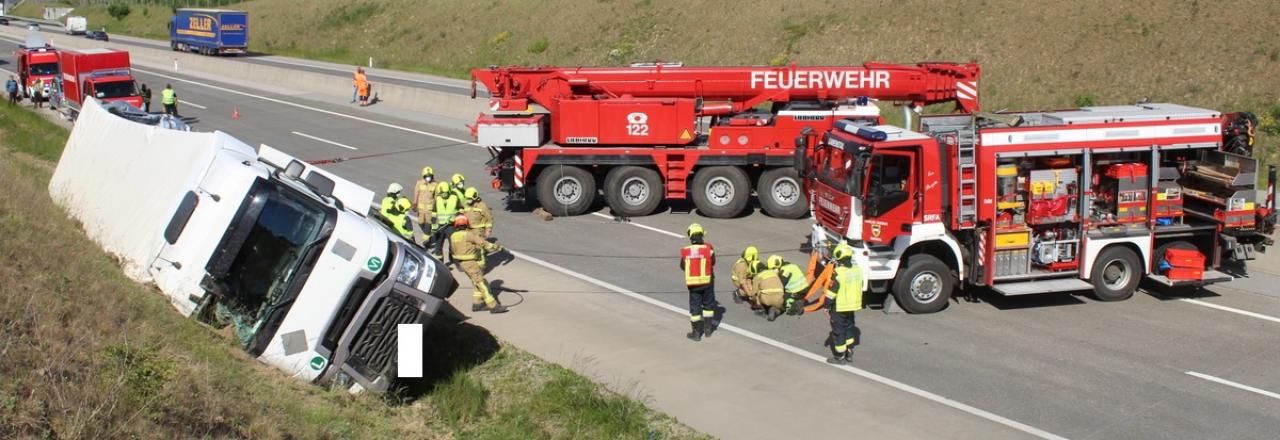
(284, 253)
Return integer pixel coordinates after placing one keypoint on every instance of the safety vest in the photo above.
(446, 208)
(401, 222)
(768, 281)
(848, 293)
(388, 203)
(796, 281)
(167, 97)
(697, 260)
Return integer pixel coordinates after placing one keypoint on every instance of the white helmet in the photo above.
(394, 188)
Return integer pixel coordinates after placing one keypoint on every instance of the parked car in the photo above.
(4, 21)
(33, 27)
(96, 35)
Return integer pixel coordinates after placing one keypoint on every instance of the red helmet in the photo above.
(461, 220)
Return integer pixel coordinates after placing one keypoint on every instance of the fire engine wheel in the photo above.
(1115, 274)
(632, 191)
(924, 286)
(566, 190)
(781, 194)
(721, 192)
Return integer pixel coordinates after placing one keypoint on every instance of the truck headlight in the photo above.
(410, 270)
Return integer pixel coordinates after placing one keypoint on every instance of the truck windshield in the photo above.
(280, 244)
(838, 169)
(44, 69)
(115, 89)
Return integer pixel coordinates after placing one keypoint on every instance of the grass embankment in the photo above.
(87, 353)
(1037, 55)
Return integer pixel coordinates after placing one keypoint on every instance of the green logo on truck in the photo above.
(317, 363)
(374, 264)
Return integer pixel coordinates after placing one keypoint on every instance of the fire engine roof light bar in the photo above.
(867, 133)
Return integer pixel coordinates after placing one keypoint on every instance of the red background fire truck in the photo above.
(1097, 198)
(100, 73)
(37, 60)
(661, 131)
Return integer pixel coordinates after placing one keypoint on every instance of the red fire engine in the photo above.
(1096, 198)
(37, 61)
(663, 131)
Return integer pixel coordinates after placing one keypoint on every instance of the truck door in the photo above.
(890, 205)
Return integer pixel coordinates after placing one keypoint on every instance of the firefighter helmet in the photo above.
(751, 254)
(471, 193)
(403, 205)
(695, 230)
(842, 253)
(394, 188)
(461, 220)
(442, 188)
(775, 261)
(458, 180)
(428, 172)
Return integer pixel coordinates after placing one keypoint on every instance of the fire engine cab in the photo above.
(1096, 198)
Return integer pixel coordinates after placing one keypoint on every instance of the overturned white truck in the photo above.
(284, 253)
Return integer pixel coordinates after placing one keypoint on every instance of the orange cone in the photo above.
(235, 113)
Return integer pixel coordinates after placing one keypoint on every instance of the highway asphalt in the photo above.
(1149, 367)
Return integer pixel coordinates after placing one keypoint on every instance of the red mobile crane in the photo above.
(664, 131)
(1096, 198)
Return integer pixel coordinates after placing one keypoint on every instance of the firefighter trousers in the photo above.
(480, 294)
(843, 331)
(702, 302)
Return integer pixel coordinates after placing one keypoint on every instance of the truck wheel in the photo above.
(781, 194)
(566, 190)
(924, 286)
(1115, 274)
(633, 191)
(721, 192)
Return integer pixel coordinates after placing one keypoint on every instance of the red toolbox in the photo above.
(1184, 259)
(1180, 273)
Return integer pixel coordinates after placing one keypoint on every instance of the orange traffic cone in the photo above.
(235, 113)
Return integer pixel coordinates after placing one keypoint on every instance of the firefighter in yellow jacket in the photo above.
(770, 294)
(398, 216)
(468, 248)
(743, 270)
(478, 212)
(795, 282)
(844, 297)
(424, 201)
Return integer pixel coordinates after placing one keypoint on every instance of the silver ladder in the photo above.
(966, 141)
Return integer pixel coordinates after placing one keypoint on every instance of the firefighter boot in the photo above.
(837, 358)
(497, 308)
(848, 356)
(696, 334)
(772, 314)
(708, 325)
(476, 307)
(737, 296)
(793, 308)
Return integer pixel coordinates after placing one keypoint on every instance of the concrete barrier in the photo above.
(434, 102)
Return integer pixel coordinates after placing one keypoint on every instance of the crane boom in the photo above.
(512, 88)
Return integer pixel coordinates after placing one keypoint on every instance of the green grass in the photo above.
(87, 353)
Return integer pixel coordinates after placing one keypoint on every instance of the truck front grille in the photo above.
(373, 351)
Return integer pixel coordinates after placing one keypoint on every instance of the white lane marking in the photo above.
(1234, 385)
(801, 352)
(305, 107)
(651, 228)
(336, 69)
(315, 138)
(186, 102)
(747, 333)
(1230, 309)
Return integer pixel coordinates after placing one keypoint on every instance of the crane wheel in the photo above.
(781, 194)
(633, 191)
(720, 191)
(566, 190)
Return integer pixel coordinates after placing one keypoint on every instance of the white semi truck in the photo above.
(286, 254)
